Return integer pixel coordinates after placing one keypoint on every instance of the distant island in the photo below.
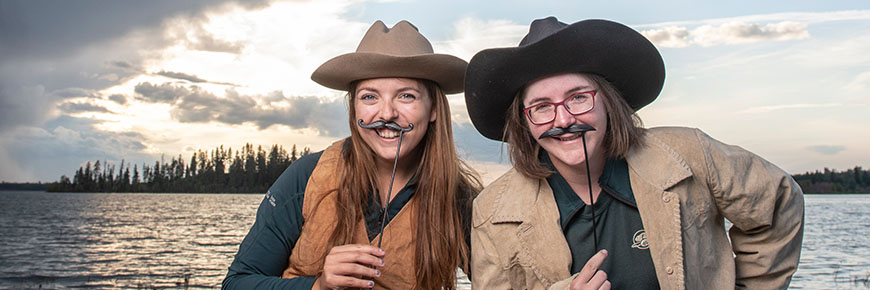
(855, 180)
(219, 170)
(252, 171)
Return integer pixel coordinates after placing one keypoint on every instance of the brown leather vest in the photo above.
(318, 211)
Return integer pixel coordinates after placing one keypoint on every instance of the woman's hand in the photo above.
(349, 265)
(590, 277)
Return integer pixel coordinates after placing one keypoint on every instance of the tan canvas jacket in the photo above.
(685, 183)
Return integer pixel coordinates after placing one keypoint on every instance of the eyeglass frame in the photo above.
(556, 107)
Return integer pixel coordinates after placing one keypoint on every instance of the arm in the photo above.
(264, 253)
(767, 209)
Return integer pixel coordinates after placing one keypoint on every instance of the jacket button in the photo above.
(667, 198)
(669, 270)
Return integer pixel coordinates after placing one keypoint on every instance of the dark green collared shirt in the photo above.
(263, 254)
(617, 225)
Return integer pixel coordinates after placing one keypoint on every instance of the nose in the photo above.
(387, 111)
(563, 117)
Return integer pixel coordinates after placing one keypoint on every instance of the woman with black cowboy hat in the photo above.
(594, 200)
(334, 219)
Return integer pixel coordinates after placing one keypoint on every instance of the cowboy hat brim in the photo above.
(618, 53)
(338, 72)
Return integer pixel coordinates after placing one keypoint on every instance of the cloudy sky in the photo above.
(137, 80)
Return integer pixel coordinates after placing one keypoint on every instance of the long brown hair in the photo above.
(624, 130)
(445, 189)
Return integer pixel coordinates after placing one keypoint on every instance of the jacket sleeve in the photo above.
(766, 207)
(265, 251)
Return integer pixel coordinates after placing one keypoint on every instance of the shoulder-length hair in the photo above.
(624, 130)
(445, 190)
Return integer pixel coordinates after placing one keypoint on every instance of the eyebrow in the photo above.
(577, 89)
(403, 89)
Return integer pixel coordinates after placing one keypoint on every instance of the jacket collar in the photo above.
(658, 163)
(517, 198)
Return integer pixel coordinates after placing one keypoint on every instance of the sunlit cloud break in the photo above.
(766, 109)
(729, 33)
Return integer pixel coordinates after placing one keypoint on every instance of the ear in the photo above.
(432, 114)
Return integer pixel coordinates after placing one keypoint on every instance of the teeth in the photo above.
(388, 133)
(568, 138)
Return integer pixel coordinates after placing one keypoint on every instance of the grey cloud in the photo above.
(728, 33)
(82, 107)
(36, 28)
(207, 42)
(121, 64)
(75, 93)
(827, 149)
(61, 146)
(118, 99)
(20, 105)
(164, 93)
(189, 77)
(195, 105)
(181, 76)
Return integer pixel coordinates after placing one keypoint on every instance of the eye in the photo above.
(543, 108)
(368, 99)
(407, 97)
(581, 97)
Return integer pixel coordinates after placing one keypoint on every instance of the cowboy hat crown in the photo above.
(400, 51)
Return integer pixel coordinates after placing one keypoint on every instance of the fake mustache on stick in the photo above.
(389, 125)
(582, 128)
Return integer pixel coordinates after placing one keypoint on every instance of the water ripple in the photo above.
(115, 241)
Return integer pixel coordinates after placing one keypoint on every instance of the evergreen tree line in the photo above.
(217, 171)
(855, 180)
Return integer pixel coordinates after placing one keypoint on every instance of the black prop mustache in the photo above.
(383, 124)
(582, 128)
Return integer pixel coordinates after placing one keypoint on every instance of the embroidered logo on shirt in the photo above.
(270, 197)
(639, 240)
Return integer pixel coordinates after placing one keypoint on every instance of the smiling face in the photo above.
(400, 100)
(566, 150)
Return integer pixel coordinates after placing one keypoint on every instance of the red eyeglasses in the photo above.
(576, 104)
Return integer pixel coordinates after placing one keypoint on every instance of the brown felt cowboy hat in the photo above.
(400, 51)
(618, 53)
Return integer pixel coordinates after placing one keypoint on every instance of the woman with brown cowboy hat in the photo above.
(334, 220)
(594, 200)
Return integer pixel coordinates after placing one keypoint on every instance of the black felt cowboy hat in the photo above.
(618, 53)
(384, 52)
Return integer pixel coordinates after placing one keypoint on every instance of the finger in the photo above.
(354, 258)
(355, 270)
(598, 280)
(358, 248)
(606, 285)
(592, 266)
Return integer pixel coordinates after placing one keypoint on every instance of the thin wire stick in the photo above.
(390, 189)
(589, 182)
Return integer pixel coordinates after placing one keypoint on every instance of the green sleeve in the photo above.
(264, 253)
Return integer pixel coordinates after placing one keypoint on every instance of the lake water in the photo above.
(145, 241)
